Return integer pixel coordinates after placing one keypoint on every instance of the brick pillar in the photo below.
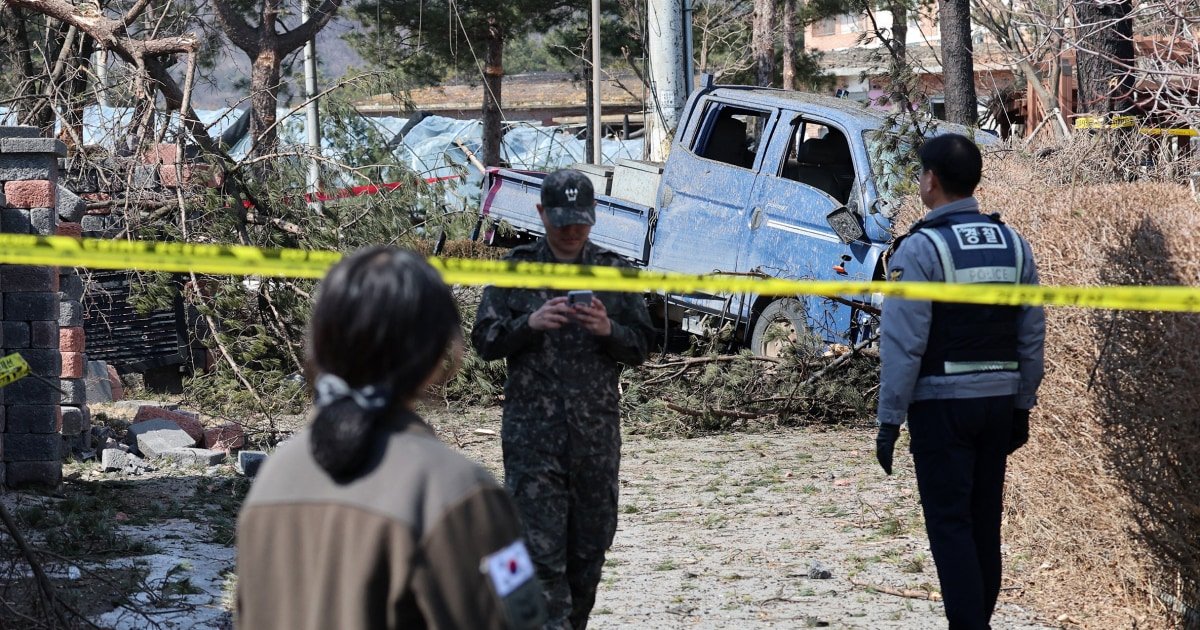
(31, 422)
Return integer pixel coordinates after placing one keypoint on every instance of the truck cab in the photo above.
(758, 182)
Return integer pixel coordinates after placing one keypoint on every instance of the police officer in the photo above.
(965, 375)
(365, 520)
(561, 432)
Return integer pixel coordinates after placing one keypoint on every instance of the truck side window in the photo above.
(733, 135)
(819, 156)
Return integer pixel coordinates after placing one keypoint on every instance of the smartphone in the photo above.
(579, 298)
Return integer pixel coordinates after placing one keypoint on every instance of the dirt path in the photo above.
(729, 531)
(722, 532)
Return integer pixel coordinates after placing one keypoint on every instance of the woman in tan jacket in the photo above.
(365, 519)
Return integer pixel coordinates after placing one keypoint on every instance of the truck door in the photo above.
(707, 184)
(809, 171)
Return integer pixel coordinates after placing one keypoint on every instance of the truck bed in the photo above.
(511, 196)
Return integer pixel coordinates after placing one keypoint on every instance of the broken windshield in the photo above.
(894, 168)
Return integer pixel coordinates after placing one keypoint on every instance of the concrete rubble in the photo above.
(163, 434)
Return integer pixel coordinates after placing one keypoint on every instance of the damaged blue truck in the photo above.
(758, 182)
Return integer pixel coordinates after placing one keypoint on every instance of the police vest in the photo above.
(973, 248)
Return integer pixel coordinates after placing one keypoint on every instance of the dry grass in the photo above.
(1103, 505)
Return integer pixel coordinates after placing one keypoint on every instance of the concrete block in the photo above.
(43, 221)
(74, 392)
(70, 313)
(32, 447)
(17, 335)
(96, 379)
(43, 361)
(114, 460)
(74, 420)
(71, 339)
(70, 285)
(43, 335)
(94, 225)
(226, 437)
(29, 193)
(73, 367)
(32, 307)
(70, 207)
(114, 381)
(193, 456)
(27, 166)
(47, 474)
(188, 422)
(33, 145)
(21, 131)
(32, 418)
(22, 279)
(153, 437)
(15, 221)
(134, 405)
(144, 177)
(249, 462)
(29, 391)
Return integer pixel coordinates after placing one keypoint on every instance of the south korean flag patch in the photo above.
(512, 577)
(980, 236)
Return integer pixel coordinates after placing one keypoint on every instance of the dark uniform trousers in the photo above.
(960, 449)
(569, 506)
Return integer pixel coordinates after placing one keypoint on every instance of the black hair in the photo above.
(955, 160)
(383, 318)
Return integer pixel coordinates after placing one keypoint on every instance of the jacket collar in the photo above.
(586, 257)
(969, 204)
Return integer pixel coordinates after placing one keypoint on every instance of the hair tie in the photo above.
(331, 388)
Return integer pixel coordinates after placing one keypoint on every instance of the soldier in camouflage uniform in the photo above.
(561, 430)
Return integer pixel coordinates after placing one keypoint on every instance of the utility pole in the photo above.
(689, 63)
(312, 121)
(667, 85)
(595, 132)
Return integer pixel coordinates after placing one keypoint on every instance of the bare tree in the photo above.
(266, 45)
(722, 38)
(1030, 37)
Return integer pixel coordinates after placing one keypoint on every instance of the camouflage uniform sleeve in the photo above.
(498, 332)
(632, 331)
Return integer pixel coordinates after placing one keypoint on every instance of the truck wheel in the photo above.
(779, 328)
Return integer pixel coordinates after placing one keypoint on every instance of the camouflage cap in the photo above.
(568, 198)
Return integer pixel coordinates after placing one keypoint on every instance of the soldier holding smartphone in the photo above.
(561, 431)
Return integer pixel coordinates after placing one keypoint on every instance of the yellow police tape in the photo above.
(293, 263)
(12, 368)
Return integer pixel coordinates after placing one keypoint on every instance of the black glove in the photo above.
(1020, 430)
(885, 444)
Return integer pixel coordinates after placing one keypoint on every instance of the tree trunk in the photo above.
(957, 65)
(790, 44)
(264, 99)
(899, 12)
(13, 28)
(493, 76)
(1104, 56)
(762, 41)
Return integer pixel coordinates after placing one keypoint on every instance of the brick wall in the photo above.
(41, 317)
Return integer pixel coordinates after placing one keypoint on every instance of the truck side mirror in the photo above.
(847, 225)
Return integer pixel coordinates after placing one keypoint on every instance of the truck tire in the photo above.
(779, 327)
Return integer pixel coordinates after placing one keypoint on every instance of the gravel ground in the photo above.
(724, 532)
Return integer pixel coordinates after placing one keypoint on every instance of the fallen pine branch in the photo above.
(932, 596)
(719, 359)
(728, 413)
